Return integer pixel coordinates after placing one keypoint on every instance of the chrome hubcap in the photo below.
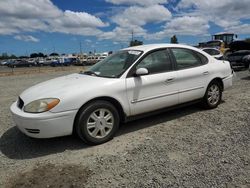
(100, 123)
(213, 95)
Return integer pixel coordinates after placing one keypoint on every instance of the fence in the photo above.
(7, 71)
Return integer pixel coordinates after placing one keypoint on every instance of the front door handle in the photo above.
(205, 73)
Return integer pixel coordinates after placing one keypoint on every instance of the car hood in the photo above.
(63, 87)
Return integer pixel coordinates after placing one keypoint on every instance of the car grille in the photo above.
(20, 103)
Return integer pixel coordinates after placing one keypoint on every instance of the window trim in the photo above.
(133, 67)
(195, 53)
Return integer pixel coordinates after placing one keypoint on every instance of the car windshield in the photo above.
(115, 65)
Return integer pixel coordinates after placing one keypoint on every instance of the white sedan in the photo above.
(131, 82)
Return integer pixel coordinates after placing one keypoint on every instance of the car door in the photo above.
(192, 73)
(155, 90)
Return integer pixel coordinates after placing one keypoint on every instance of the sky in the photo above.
(63, 26)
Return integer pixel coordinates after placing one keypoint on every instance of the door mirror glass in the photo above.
(141, 72)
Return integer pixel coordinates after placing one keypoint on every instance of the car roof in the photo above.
(149, 47)
(210, 49)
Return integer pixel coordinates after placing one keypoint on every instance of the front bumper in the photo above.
(43, 125)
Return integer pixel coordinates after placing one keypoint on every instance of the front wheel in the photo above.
(213, 95)
(97, 122)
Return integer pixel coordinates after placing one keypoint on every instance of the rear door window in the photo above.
(186, 58)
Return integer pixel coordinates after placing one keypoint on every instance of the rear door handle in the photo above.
(169, 80)
(205, 73)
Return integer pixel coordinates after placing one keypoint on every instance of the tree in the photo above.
(135, 43)
(6, 56)
(12, 56)
(174, 40)
(54, 54)
(41, 55)
(23, 57)
(247, 40)
(33, 55)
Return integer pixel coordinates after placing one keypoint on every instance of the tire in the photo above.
(213, 95)
(92, 126)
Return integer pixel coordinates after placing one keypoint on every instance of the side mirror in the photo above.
(141, 72)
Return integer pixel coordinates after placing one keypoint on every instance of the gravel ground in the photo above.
(187, 147)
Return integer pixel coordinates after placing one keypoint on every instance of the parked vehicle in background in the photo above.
(227, 38)
(56, 63)
(131, 82)
(78, 62)
(213, 52)
(32, 61)
(239, 59)
(21, 63)
(239, 45)
(64, 61)
(246, 60)
(220, 41)
(41, 62)
(46, 61)
(91, 60)
(8, 62)
(100, 58)
(4, 62)
(82, 59)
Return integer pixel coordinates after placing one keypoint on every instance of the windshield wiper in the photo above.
(90, 73)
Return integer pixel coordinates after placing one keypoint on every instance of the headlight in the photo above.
(41, 105)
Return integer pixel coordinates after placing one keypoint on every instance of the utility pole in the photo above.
(132, 39)
(80, 47)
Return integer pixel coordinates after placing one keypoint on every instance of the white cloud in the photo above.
(88, 41)
(77, 20)
(239, 29)
(224, 13)
(132, 19)
(18, 16)
(29, 9)
(185, 25)
(137, 2)
(142, 15)
(123, 34)
(26, 38)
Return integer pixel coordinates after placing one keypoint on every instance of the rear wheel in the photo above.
(97, 122)
(213, 95)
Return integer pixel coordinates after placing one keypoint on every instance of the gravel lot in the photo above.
(188, 147)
